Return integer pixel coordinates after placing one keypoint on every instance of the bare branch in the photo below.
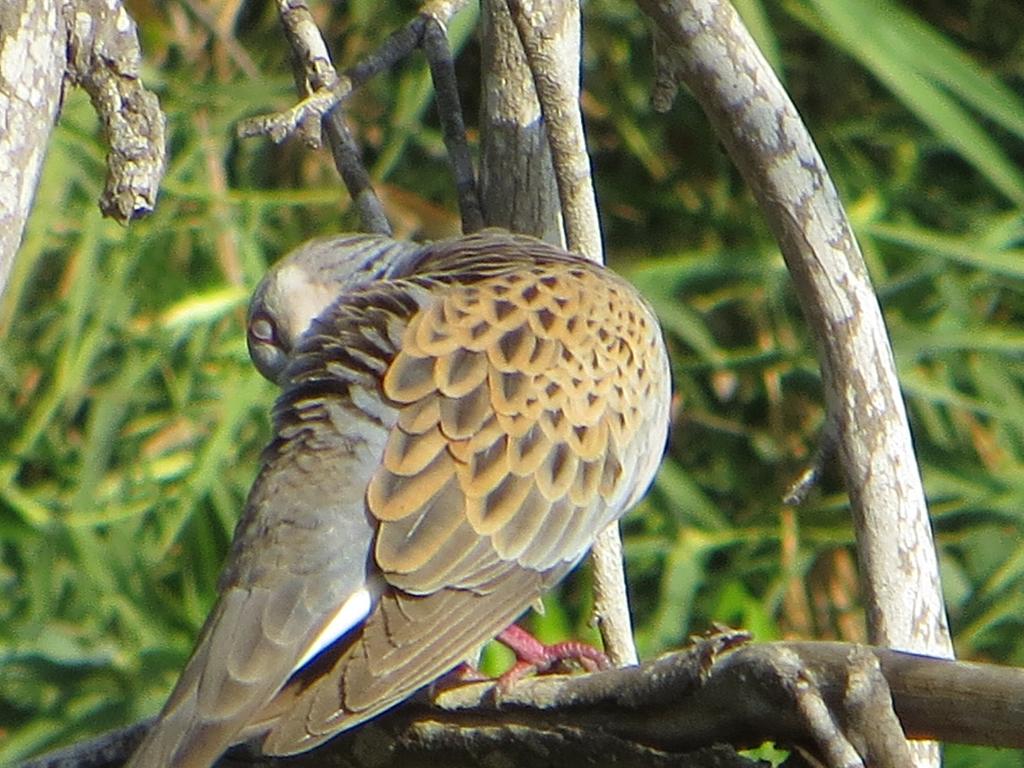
(611, 601)
(446, 94)
(869, 715)
(716, 57)
(327, 91)
(821, 697)
(824, 455)
(550, 35)
(517, 183)
(704, 44)
(104, 58)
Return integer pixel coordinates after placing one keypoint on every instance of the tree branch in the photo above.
(549, 33)
(93, 43)
(105, 59)
(517, 183)
(825, 698)
(449, 109)
(30, 96)
(713, 53)
(705, 44)
(327, 92)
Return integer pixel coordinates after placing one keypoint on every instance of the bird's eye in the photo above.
(262, 329)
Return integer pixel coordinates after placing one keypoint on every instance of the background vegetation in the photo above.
(131, 419)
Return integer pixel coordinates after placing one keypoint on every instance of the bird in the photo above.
(457, 421)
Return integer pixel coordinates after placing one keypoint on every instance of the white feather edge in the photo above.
(349, 615)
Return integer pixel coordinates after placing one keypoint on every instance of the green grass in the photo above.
(131, 419)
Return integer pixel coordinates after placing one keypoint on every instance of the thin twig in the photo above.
(327, 91)
(311, 50)
(453, 127)
(824, 456)
(548, 31)
(353, 173)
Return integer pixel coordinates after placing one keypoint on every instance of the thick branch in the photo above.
(517, 182)
(818, 695)
(32, 63)
(705, 45)
(713, 53)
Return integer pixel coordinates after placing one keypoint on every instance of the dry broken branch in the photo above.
(105, 59)
(92, 43)
(325, 91)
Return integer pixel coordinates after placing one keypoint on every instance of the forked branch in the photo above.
(836, 701)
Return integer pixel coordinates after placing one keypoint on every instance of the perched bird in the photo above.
(458, 420)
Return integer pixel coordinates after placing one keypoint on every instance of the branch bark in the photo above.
(517, 181)
(705, 45)
(549, 32)
(106, 60)
(92, 43)
(33, 45)
(673, 711)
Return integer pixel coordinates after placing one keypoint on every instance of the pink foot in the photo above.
(533, 656)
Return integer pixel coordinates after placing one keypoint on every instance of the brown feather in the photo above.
(459, 423)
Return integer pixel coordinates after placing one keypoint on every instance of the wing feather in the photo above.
(497, 412)
(530, 395)
(269, 610)
(521, 442)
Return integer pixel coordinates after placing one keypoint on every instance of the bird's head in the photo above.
(302, 285)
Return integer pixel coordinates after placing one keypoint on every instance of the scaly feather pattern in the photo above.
(458, 421)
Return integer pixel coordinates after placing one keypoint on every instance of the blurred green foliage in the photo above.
(131, 420)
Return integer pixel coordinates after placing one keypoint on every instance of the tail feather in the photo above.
(217, 695)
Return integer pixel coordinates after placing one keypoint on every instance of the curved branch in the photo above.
(705, 44)
(711, 50)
